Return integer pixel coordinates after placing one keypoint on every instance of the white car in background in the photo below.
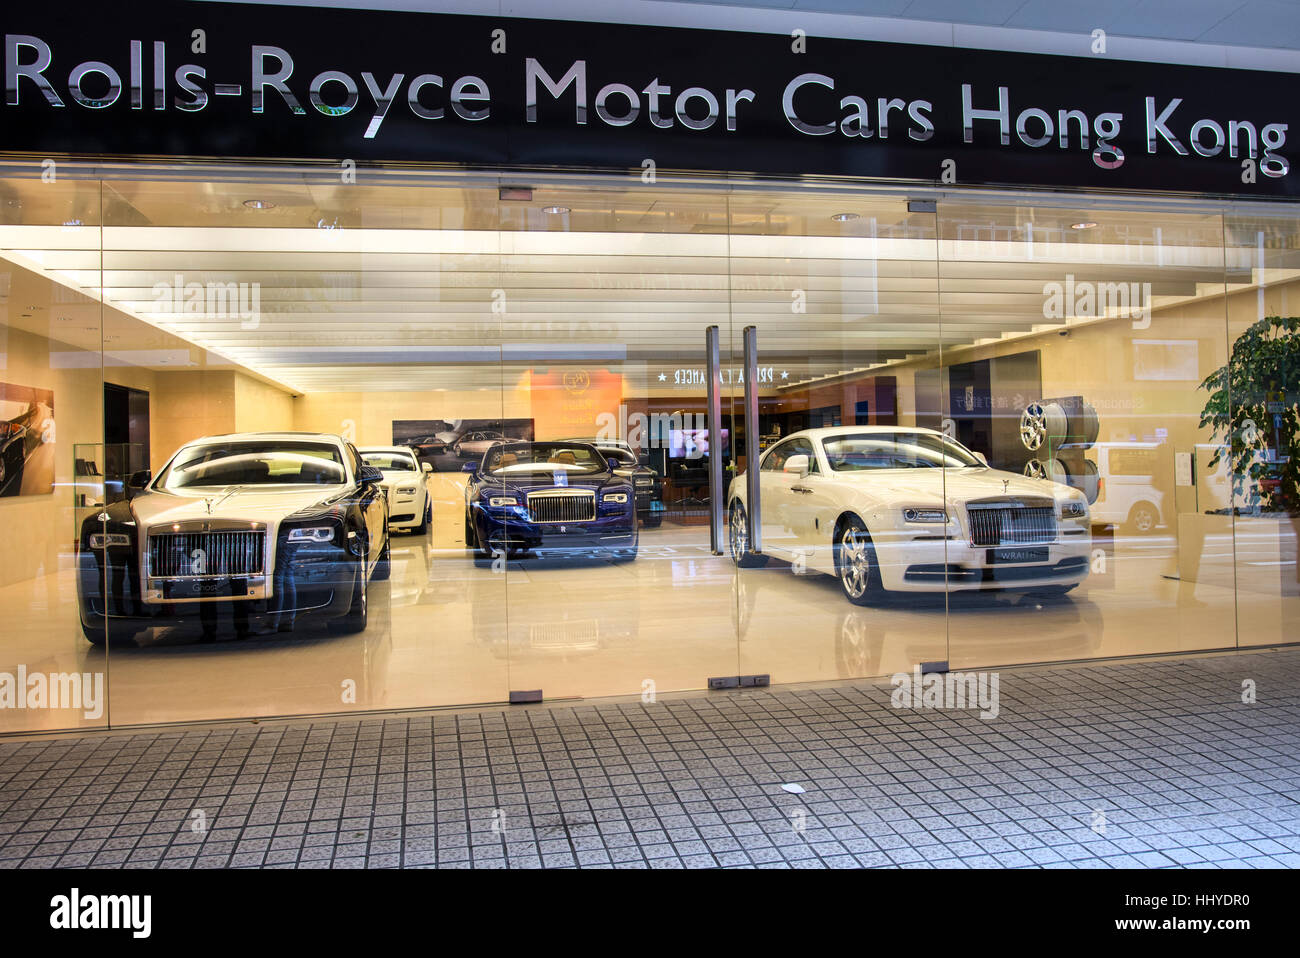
(409, 504)
(891, 508)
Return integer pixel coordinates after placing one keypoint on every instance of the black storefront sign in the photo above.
(248, 81)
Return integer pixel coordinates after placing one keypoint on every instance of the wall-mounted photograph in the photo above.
(26, 440)
(450, 443)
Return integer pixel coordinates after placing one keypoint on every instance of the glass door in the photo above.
(600, 524)
(836, 297)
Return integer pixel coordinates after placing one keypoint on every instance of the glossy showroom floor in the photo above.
(1154, 763)
(445, 632)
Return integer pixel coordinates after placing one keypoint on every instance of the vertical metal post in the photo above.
(716, 493)
(753, 515)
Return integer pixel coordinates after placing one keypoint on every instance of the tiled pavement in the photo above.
(1145, 763)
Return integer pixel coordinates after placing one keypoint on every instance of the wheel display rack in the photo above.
(1059, 432)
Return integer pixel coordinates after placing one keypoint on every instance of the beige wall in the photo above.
(260, 406)
(45, 524)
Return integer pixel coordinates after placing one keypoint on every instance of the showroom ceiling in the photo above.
(362, 288)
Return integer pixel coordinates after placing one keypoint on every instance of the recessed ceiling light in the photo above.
(556, 210)
(1082, 226)
(844, 217)
(259, 205)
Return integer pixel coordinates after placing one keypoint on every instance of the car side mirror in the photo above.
(797, 464)
(426, 467)
(981, 457)
(469, 467)
(369, 474)
(139, 479)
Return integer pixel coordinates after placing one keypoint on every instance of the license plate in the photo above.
(1016, 556)
(201, 589)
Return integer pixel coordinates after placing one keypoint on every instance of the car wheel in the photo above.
(354, 620)
(384, 564)
(738, 539)
(471, 541)
(1143, 518)
(654, 520)
(423, 527)
(855, 562)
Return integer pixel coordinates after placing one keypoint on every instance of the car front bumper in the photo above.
(911, 564)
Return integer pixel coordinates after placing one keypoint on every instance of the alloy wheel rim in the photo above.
(739, 541)
(855, 565)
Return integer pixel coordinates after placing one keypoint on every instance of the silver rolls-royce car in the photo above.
(887, 508)
(263, 526)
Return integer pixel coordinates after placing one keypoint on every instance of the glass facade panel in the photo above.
(1253, 411)
(435, 440)
(1074, 343)
(57, 467)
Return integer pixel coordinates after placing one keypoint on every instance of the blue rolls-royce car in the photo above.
(543, 496)
(263, 527)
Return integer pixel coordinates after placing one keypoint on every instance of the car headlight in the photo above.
(101, 540)
(312, 534)
(1074, 509)
(614, 497)
(925, 515)
(498, 501)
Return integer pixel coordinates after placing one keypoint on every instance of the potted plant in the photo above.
(1254, 411)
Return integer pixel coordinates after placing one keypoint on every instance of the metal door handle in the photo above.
(803, 489)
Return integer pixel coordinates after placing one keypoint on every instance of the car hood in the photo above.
(230, 502)
(956, 485)
(546, 480)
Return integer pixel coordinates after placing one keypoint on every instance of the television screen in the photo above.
(692, 443)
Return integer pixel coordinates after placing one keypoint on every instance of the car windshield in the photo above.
(527, 458)
(254, 463)
(855, 452)
(389, 461)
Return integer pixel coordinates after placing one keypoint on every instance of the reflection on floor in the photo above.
(444, 631)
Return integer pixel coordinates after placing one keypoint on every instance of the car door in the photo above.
(778, 503)
(811, 507)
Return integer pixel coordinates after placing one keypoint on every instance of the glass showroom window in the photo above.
(1075, 342)
(57, 466)
(1253, 405)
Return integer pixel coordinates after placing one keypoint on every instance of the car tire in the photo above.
(738, 539)
(423, 527)
(856, 567)
(384, 564)
(114, 636)
(653, 521)
(1143, 519)
(354, 620)
(472, 543)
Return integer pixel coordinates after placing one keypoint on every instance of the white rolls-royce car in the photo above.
(888, 508)
(409, 505)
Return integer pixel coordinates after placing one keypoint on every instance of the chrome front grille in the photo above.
(1011, 523)
(562, 506)
(207, 554)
